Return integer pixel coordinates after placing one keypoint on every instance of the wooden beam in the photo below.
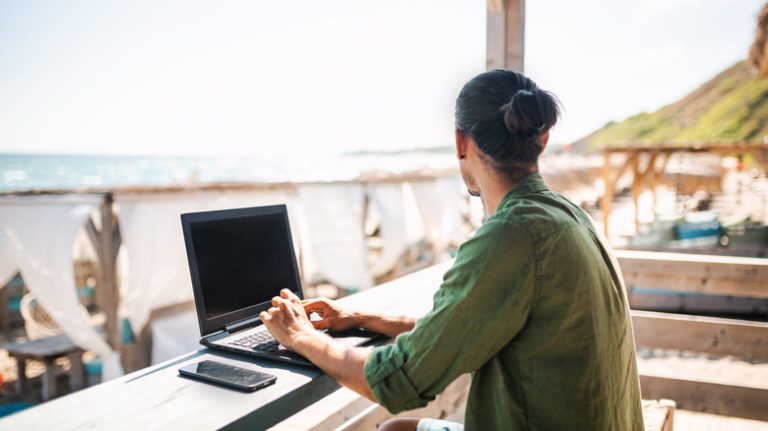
(144, 192)
(716, 336)
(741, 401)
(692, 147)
(637, 187)
(656, 175)
(505, 35)
(106, 243)
(712, 275)
(609, 184)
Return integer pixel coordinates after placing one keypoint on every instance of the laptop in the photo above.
(239, 259)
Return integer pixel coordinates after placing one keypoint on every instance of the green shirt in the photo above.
(534, 307)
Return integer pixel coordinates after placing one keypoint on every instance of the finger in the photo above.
(264, 316)
(274, 300)
(314, 307)
(287, 294)
(273, 310)
(284, 305)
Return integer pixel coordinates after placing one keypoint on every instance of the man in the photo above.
(534, 306)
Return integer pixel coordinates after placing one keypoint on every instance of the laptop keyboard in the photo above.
(259, 340)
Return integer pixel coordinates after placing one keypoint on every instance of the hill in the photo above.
(732, 106)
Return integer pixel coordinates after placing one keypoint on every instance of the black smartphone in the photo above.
(228, 375)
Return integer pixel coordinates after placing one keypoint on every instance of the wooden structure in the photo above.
(505, 35)
(746, 340)
(713, 275)
(647, 162)
(47, 350)
(659, 415)
(106, 243)
(710, 335)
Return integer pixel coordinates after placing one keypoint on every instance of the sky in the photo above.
(192, 77)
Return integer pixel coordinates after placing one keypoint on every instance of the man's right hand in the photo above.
(333, 317)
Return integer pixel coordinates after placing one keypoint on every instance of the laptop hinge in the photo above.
(243, 323)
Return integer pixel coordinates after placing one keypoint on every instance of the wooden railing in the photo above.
(740, 339)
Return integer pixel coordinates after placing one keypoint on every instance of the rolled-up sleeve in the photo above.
(390, 384)
(481, 305)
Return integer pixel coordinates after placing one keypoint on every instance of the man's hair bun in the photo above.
(530, 112)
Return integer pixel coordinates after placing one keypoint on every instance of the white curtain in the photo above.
(157, 273)
(441, 204)
(41, 232)
(335, 245)
(8, 265)
(400, 223)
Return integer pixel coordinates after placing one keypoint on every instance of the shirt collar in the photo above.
(533, 183)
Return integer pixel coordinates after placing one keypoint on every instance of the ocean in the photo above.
(23, 172)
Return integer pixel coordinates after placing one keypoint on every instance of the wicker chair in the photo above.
(39, 324)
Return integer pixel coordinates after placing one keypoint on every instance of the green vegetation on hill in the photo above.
(733, 106)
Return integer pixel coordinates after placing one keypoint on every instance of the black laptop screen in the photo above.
(242, 261)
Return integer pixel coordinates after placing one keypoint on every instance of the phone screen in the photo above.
(230, 375)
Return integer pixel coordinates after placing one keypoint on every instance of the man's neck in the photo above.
(494, 187)
(492, 190)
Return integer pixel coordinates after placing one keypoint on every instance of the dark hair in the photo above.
(506, 114)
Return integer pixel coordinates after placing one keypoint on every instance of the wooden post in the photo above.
(505, 35)
(5, 318)
(651, 168)
(106, 243)
(655, 175)
(636, 187)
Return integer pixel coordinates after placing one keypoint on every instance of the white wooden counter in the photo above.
(157, 398)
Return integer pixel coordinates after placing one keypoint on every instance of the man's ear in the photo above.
(461, 144)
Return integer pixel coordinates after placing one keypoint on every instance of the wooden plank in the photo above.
(716, 336)
(505, 35)
(658, 415)
(713, 275)
(688, 420)
(740, 401)
(685, 303)
(144, 192)
(452, 398)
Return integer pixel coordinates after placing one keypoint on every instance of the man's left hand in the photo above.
(287, 320)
